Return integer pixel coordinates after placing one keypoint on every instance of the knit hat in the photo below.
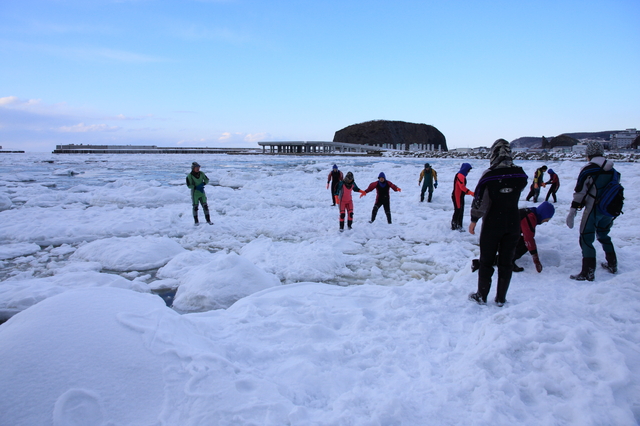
(594, 149)
(194, 165)
(427, 165)
(464, 168)
(551, 172)
(501, 154)
(349, 177)
(335, 167)
(381, 175)
(544, 211)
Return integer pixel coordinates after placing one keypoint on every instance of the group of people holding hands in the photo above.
(342, 189)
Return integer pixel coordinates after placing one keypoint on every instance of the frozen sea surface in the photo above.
(281, 319)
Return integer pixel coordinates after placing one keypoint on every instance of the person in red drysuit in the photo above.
(344, 199)
(554, 180)
(459, 191)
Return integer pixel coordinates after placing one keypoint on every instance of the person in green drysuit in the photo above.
(196, 180)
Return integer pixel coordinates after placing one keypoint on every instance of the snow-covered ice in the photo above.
(279, 318)
(130, 254)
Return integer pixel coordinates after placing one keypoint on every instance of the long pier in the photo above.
(275, 148)
(145, 149)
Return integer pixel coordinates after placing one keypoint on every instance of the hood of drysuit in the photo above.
(464, 168)
(382, 184)
(544, 211)
(348, 178)
(500, 154)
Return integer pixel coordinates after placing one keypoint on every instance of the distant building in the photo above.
(581, 148)
(425, 147)
(481, 149)
(623, 140)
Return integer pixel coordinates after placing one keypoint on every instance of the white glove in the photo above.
(572, 214)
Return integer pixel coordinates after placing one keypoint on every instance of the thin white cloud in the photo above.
(227, 139)
(83, 128)
(15, 102)
(122, 117)
(118, 55)
(239, 137)
(83, 53)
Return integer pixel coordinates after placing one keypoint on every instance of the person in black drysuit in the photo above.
(496, 202)
(382, 187)
(334, 178)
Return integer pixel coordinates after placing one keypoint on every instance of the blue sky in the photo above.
(235, 72)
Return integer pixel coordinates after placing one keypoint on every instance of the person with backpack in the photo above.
(334, 178)
(196, 180)
(593, 181)
(496, 202)
(457, 196)
(382, 187)
(343, 197)
(554, 180)
(430, 181)
(538, 182)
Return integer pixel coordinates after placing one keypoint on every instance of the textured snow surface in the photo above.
(279, 318)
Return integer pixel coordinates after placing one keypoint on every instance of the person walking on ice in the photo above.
(459, 191)
(554, 180)
(496, 202)
(333, 179)
(382, 187)
(538, 181)
(196, 180)
(595, 223)
(344, 199)
(430, 181)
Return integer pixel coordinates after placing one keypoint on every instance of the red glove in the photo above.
(362, 194)
(399, 190)
(335, 197)
(536, 261)
(472, 194)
